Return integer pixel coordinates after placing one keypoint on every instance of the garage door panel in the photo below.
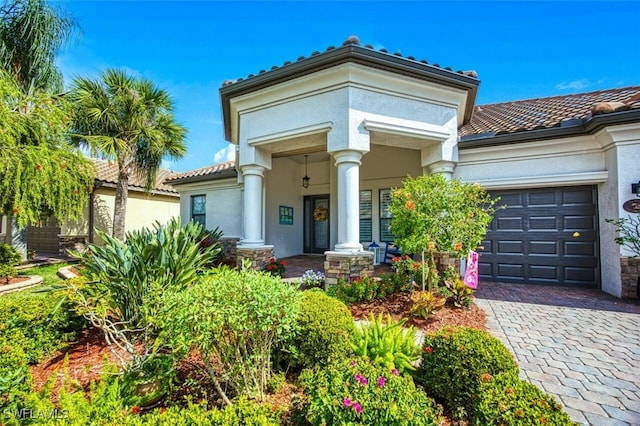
(543, 272)
(571, 223)
(510, 199)
(542, 199)
(510, 247)
(510, 270)
(543, 223)
(579, 275)
(534, 241)
(509, 223)
(582, 196)
(573, 248)
(543, 248)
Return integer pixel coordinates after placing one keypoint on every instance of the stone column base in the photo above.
(444, 259)
(259, 256)
(629, 273)
(347, 266)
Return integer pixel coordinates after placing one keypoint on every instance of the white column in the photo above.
(348, 165)
(444, 168)
(252, 206)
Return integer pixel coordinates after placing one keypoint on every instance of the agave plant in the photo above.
(387, 343)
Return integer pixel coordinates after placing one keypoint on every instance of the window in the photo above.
(199, 209)
(385, 216)
(365, 216)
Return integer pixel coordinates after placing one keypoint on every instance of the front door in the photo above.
(316, 223)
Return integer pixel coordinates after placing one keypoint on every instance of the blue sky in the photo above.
(520, 50)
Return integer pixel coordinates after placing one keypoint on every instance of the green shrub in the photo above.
(387, 344)
(233, 319)
(454, 360)
(38, 323)
(356, 392)
(15, 378)
(131, 277)
(324, 329)
(9, 258)
(103, 405)
(504, 399)
(362, 289)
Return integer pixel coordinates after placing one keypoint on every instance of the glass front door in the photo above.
(316, 223)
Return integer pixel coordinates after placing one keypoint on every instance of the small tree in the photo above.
(9, 258)
(628, 233)
(435, 214)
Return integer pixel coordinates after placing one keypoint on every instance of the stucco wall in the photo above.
(223, 201)
(142, 211)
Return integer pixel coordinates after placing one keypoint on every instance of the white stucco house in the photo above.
(356, 121)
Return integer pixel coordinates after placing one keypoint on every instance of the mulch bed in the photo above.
(398, 306)
(14, 280)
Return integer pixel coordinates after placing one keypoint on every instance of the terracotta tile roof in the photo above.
(205, 173)
(107, 172)
(544, 113)
(352, 40)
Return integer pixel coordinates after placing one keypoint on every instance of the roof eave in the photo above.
(588, 126)
(107, 184)
(349, 53)
(203, 178)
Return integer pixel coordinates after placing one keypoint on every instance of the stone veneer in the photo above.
(346, 265)
(259, 256)
(630, 271)
(229, 249)
(443, 260)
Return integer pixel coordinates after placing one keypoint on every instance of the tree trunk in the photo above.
(8, 233)
(122, 194)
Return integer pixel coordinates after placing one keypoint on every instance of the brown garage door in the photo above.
(544, 236)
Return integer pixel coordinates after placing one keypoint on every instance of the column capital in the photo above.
(443, 167)
(253, 169)
(347, 156)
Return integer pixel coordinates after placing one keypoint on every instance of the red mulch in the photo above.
(398, 306)
(14, 280)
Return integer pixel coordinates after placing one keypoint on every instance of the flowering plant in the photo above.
(276, 267)
(312, 279)
(356, 392)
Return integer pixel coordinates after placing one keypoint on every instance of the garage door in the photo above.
(544, 236)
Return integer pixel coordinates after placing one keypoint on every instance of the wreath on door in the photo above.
(320, 214)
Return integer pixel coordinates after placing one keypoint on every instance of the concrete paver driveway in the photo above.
(582, 346)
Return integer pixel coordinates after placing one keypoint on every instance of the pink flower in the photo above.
(354, 364)
(381, 381)
(360, 378)
(395, 372)
(357, 407)
(346, 402)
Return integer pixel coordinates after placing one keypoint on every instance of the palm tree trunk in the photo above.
(122, 194)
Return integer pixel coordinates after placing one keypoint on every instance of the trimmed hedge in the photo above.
(453, 361)
(507, 400)
(325, 326)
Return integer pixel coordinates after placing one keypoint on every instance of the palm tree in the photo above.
(31, 34)
(130, 121)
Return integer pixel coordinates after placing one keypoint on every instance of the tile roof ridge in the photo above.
(355, 41)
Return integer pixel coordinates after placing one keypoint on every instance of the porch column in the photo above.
(445, 168)
(348, 164)
(252, 206)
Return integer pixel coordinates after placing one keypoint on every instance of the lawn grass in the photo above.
(47, 272)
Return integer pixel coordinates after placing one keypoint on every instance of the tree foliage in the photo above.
(437, 214)
(31, 34)
(41, 175)
(128, 120)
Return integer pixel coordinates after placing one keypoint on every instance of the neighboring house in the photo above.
(357, 121)
(143, 209)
